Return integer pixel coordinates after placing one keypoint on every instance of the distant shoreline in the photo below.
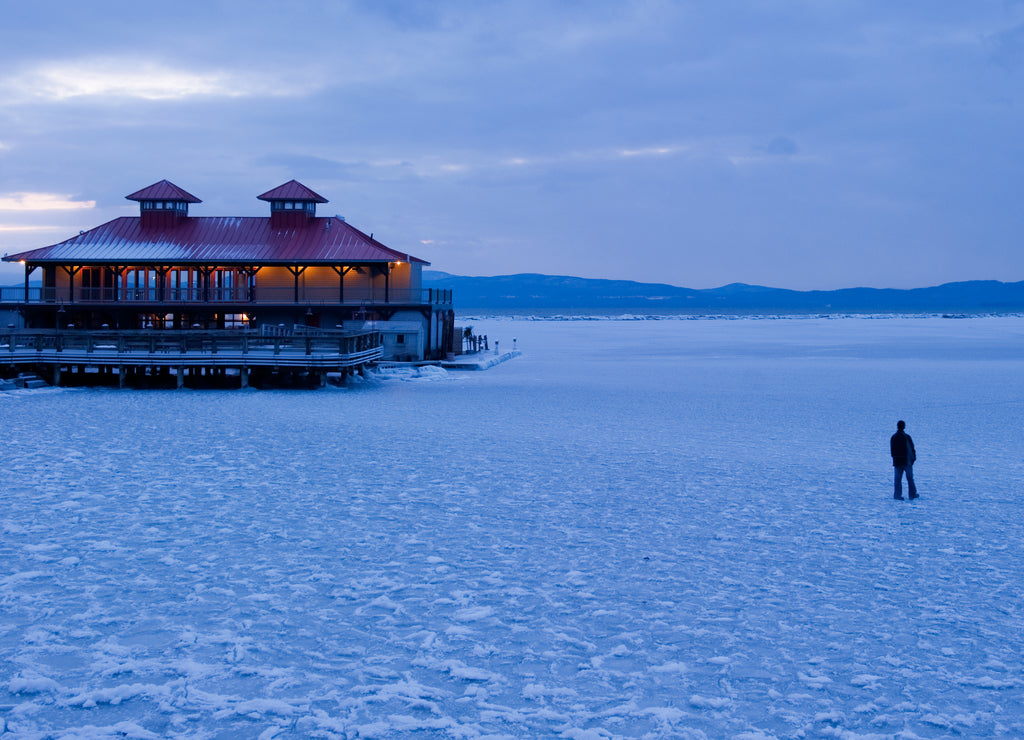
(532, 293)
(468, 314)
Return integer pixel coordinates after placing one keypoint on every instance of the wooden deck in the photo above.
(202, 351)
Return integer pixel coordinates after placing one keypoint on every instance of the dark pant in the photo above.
(899, 470)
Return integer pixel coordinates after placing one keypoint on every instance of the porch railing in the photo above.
(258, 295)
(171, 347)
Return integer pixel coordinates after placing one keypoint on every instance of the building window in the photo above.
(293, 205)
(400, 339)
(179, 206)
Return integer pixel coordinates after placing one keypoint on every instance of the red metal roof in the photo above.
(245, 240)
(292, 190)
(163, 190)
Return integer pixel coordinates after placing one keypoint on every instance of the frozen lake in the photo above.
(677, 528)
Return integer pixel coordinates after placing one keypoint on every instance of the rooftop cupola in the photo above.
(292, 205)
(163, 204)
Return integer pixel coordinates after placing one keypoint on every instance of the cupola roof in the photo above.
(292, 190)
(163, 190)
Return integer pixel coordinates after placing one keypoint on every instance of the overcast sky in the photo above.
(791, 143)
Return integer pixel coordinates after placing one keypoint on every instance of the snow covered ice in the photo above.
(667, 528)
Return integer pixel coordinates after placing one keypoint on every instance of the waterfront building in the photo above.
(290, 273)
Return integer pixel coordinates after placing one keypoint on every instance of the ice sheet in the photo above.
(635, 529)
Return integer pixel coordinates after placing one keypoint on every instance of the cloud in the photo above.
(1008, 47)
(473, 163)
(730, 130)
(42, 202)
(120, 78)
(731, 150)
(780, 145)
(651, 151)
(10, 228)
(311, 166)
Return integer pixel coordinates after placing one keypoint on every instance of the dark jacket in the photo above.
(902, 448)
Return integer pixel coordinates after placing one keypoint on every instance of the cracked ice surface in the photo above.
(648, 528)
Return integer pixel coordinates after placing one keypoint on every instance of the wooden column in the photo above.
(161, 286)
(29, 269)
(118, 273)
(342, 271)
(71, 270)
(296, 271)
(250, 281)
(204, 282)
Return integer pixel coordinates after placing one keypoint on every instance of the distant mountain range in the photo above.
(530, 291)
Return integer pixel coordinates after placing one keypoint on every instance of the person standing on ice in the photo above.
(903, 455)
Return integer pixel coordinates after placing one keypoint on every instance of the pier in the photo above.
(161, 357)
